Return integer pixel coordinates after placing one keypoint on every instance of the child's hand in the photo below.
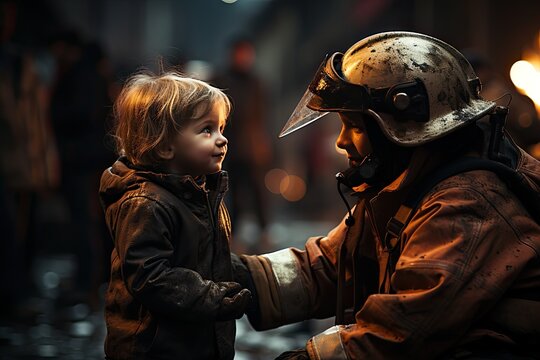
(234, 302)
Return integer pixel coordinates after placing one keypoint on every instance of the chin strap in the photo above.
(367, 172)
(349, 221)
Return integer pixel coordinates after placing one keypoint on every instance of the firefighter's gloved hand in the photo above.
(235, 300)
(298, 354)
(242, 275)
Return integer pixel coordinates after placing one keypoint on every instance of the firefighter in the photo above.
(439, 257)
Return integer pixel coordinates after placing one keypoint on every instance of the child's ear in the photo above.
(166, 152)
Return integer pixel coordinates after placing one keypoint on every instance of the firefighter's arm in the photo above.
(294, 285)
(460, 257)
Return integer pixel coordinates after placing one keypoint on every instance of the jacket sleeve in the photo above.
(461, 255)
(294, 285)
(145, 249)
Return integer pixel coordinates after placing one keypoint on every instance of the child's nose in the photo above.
(222, 140)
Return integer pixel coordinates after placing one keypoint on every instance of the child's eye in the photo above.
(206, 130)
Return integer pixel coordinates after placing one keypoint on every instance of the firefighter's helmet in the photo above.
(417, 88)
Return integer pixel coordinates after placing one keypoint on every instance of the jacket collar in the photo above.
(422, 162)
(210, 182)
(123, 176)
(383, 204)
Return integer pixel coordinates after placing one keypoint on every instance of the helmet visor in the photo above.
(328, 91)
(302, 115)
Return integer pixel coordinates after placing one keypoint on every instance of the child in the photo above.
(170, 294)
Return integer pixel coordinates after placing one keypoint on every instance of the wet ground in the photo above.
(53, 323)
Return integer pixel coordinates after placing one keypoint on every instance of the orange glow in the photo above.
(525, 75)
(273, 179)
(292, 188)
(521, 73)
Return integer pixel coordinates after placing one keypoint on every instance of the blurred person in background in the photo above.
(440, 256)
(80, 105)
(250, 150)
(28, 157)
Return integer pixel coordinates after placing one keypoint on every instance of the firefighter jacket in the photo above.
(170, 249)
(468, 271)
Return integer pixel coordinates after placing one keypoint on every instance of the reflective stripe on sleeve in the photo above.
(294, 300)
(327, 345)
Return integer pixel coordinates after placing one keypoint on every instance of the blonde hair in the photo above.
(152, 108)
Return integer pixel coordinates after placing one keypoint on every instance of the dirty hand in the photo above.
(235, 301)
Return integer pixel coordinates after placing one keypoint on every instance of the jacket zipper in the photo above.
(212, 221)
(213, 212)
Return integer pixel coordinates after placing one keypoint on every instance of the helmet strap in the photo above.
(497, 119)
(367, 172)
(392, 159)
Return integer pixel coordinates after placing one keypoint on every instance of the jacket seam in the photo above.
(460, 270)
(444, 185)
(153, 200)
(518, 234)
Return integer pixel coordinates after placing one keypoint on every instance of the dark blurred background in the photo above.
(62, 64)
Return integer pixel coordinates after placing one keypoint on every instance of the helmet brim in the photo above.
(415, 134)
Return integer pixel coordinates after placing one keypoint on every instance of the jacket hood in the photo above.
(122, 177)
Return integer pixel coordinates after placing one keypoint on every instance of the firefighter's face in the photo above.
(353, 137)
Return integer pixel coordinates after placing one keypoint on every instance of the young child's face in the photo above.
(200, 148)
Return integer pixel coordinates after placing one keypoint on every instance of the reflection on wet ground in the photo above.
(54, 324)
(50, 324)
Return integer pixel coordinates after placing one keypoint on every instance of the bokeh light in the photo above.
(293, 188)
(522, 73)
(525, 74)
(273, 178)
